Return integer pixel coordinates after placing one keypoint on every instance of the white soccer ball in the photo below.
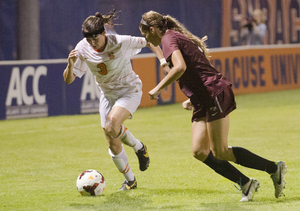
(90, 183)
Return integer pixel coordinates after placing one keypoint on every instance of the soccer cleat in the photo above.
(143, 157)
(278, 178)
(248, 190)
(128, 185)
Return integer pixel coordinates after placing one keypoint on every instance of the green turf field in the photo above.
(41, 159)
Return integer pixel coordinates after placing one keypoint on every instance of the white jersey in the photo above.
(112, 67)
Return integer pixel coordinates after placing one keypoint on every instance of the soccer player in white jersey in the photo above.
(108, 57)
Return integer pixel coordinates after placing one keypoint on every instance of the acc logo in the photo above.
(18, 86)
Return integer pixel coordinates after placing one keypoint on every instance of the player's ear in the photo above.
(152, 30)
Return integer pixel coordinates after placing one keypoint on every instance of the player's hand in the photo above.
(166, 69)
(154, 94)
(187, 105)
(72, 57)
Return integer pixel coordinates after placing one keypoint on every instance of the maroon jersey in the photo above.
(201, 81)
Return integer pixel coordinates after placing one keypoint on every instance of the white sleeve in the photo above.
(80, 66)
(131, 46)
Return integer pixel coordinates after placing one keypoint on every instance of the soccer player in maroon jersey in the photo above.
(185, 58)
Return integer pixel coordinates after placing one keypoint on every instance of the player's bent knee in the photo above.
(200, 155)
(112, 128)
(109, 128)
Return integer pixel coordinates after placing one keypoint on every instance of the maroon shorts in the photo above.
(217, 107)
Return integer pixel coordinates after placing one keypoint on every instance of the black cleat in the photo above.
(143, 157)
(128, 185)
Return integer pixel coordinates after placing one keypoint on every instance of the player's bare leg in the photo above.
(201, 151)
(116, 150)
(115, 119)
(200, 140)
(117, 134)
(114, 127)
(218, 135)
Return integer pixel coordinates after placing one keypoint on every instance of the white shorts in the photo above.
(130, 101)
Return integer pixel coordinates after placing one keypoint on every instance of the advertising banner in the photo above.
(259, 69)
(27, 89)
(37, 89)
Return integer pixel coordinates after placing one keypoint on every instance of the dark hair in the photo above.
(163, 23)
(94, 24)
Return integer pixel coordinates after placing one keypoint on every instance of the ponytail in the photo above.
(108, 18)
(94, 24)
(175, 25)
(164, 23)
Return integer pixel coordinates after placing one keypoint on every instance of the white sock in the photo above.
(127, 138)
(121, 162)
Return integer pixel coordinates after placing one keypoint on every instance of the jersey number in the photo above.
(103, 70)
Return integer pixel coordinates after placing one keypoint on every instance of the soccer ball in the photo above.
(90, 183)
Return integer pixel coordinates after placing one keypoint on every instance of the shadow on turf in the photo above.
(141, 199)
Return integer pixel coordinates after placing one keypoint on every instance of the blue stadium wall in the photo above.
(61, 21)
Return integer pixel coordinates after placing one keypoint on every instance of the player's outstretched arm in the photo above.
(68, 74)
(176, 72)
